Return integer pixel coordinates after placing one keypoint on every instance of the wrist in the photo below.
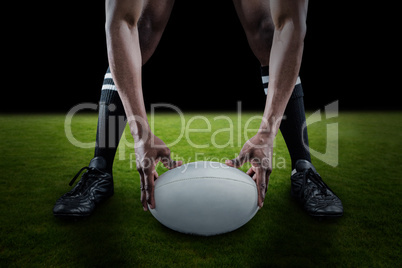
(265, 136)
(139, 129)
(141, 136)
(270, 126)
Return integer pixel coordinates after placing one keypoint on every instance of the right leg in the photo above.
(112, 121)
(96, 184)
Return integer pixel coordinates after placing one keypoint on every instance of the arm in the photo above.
(125, 60)
(125, 64)
(289, 17)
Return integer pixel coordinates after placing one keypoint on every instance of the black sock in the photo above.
(111, 122)
(293, 126)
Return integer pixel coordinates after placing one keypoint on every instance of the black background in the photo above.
(55, 57)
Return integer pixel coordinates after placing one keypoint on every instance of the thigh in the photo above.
(255, 17)
(152, 23)
(253, 13)
(156, 13)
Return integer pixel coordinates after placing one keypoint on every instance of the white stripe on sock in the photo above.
(265, 79)
(109, 87)
(108, 75)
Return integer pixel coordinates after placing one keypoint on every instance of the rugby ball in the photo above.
(205, 198)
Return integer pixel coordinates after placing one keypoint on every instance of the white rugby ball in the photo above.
(205, 198)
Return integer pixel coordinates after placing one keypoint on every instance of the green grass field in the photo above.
(37, 162)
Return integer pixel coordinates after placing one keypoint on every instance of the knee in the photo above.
(266, 29)
(261, 31)
(149, 25)
(150, 33)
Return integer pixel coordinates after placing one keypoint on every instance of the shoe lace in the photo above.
(314, 177)
(91, 170)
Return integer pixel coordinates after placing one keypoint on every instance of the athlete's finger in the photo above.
(237, 162)
(142, 187)
(169, 163)
(251, 173)
(149, 187)
(261, 185)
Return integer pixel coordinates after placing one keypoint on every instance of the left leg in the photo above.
(255, 16)
(306, 184)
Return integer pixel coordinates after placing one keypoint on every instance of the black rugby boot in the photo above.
(95, 186)
(309, 189)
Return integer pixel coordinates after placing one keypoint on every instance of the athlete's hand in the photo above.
(148, 153)
(258, 151)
